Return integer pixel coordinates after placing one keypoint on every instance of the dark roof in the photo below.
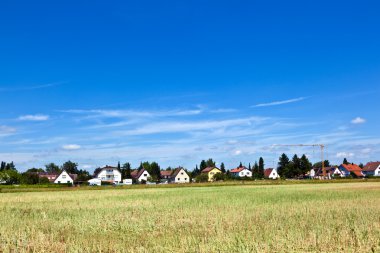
(166, 173)
(208, 169)
(319, 171)
(267, 172)
(238, 169)
(371, 166)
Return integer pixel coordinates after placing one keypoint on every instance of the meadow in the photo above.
(334, 217)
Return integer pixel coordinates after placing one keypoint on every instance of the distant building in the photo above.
(140, 175)
(109, 174)
(271, 173)
(178, 175)
(211, 171)
(347, 169)
(241, 172)
(65, 178)
(372, 169)
(50, 176)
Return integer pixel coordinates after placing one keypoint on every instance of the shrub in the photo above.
(201, 178)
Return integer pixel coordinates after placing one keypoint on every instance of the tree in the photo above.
(96, 171)
(35, 170)
(118, 166)
(195, 172)
(30, 178)
(203, 165)
(52, 168)
(249, 167)
(210, 163)
(296, 171)
(305, 165)
(70, 167)
(202, 178)
(361, 165)
(261, 167)
(219, 177)
(318, 165)
(255, 171)
(282, 165)
(126, 170)
(10, 166)
(240, 165)
(155, 171)
(2, 166)
(222, 168)
(10, 177)
(345, 161)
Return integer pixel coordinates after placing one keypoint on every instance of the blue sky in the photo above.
(179, 81)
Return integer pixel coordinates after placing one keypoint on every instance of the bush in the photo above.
(219, 177)
(201, 178)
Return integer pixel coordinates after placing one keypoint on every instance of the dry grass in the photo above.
(341, 217)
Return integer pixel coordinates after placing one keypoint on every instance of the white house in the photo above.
(179, 175)
(241, 172)
(64, 178)
(109, 174)
(372, 169)
(140, 175)
(271, 173)
(95, 181)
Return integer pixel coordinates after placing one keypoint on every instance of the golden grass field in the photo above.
(342, 217)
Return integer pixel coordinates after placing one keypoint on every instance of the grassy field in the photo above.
(342, 217)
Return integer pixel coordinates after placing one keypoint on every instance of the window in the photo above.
(145, 175)
(178, 179)
(63, 176)
(182, 173)
(185, 179)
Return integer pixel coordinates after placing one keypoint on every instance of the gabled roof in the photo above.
(72, 176)
(176, 171)
(137, 173)
(107, 167)
(371, 166)
(353, 168)
(319, 171)
(239, 169)
(208, 169)
(267, 172)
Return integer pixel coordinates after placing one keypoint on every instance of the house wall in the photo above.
(64, 178)
(182, 177)
(245, 173)
(212, 173)
(144, 176)
(110, 175)
(273, 175)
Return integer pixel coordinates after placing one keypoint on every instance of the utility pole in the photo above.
(321, 146)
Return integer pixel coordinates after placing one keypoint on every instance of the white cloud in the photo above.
(36, 117)
(358, 120)
(71, 147)
(344, 154)
(237, 152)
(282, 102)
(6, 130)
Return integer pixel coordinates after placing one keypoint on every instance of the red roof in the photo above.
(166, 173)
(267, 172)
(354, 169)
(208, 169)
(371, 166)
(239, 169)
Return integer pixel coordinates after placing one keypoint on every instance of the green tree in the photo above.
(210, 163)
(30, 178)
(255, 171)
(195, 172)
(52, 168)
(126, 170)
(261, 167)
(202, 178)
(345, 161)
(70, 167)
(155, 171)
(219, 177)
(10, 177)
(240, 165)
(35, 170)
(305, 165)
(318, 165)
(222, 168)
(283, 165)
(296, 166)
(203, 165)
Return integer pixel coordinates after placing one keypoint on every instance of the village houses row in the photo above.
(111, 174)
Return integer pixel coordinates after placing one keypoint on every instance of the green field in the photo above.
(342, 217)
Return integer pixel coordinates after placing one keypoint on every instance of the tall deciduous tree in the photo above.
(52, 168)
(70, 167)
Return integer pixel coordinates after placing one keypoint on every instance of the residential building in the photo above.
(241, 172)
(109, 174)
(271, 173)
(166, 174)
(347, 169)
(50, 176)
(140, 175)
(372, 169)
(211, 171)
(179, 175)
(65, 178)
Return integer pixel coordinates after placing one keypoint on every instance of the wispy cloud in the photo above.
(282, 102)
(358, 120)
(36, 117)
(32, 87)
(71, 147)
(6, 130)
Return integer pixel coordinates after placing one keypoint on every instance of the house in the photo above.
(140, 175)
(179, 175)
(50, 176)
(109, 174)
(65, 178)
(347, 169)
(372, 169)
(241, 172)
(211, 171)
(331, 172)
(271, 173)
(166, 174)
(95, 181)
